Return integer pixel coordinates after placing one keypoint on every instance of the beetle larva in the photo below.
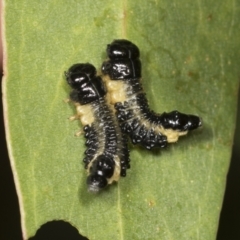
(122, 75)
(107, 155)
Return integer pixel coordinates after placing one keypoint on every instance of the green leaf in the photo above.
(190, 56)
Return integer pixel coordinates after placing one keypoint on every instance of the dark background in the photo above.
(229, 227)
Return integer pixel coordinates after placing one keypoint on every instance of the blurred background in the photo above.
(229, 227)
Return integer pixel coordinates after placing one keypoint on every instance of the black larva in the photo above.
(122, 74)
(107, 155)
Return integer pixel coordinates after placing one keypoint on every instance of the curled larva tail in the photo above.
(122, 74)
(107, 156)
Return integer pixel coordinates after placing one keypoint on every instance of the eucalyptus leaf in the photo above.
(190, 57)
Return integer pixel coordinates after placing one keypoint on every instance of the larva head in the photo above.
(123, 62)
(80, 73)
(122, 48)
(100, 171)
(87, 86)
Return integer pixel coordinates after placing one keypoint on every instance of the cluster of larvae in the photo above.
(112, 106)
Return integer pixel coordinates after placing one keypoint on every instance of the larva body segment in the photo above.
(107, 155)
(122, 74)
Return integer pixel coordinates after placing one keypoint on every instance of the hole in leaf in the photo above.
(57, 230)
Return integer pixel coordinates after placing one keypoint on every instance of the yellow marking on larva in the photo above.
(84, 113)
(116, 90)
(117, 170)
(74, 117)
(172, 135)
(79, 133)
(90, 164)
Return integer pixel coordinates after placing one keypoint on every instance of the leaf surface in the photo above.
(190, 58)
